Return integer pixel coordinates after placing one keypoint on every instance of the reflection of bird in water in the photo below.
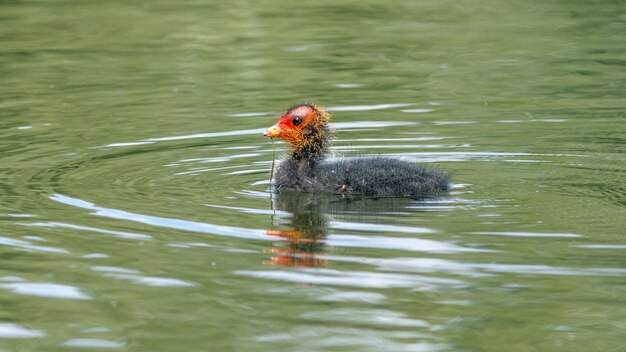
(304, 240)
(308, 218)
(306, 169)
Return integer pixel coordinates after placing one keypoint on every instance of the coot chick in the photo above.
(309, 169)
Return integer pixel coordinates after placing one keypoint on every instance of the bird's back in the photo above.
(371, 176)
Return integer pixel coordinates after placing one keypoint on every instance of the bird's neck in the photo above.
(314, 147)
(308, 154)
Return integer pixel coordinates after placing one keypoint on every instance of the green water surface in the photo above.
(135, 204)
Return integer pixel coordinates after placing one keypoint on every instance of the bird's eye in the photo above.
(296, 121)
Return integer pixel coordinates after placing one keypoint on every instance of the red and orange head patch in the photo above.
(296, 125)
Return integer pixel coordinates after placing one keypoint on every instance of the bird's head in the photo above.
(305, 127)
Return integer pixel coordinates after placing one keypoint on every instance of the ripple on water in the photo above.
(93, 343)
(191, 136)
(398, 243)
(368, 316)
(603, 246)
(353, 296)
(348, 85)
(352, 338)
(417, 110)
(121, 234)
(158, 221)
(136, 277)
(47, 290)
(366, 107)
(473, 269)
(14, 331)
(151, 281)
(369, 227)
(525, 234)
(360, 279)
(5, 241)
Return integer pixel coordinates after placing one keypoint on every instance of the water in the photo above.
(135, 207)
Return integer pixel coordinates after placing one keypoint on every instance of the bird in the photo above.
(309, 168)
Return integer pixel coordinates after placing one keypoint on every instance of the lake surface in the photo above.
(135, 203)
